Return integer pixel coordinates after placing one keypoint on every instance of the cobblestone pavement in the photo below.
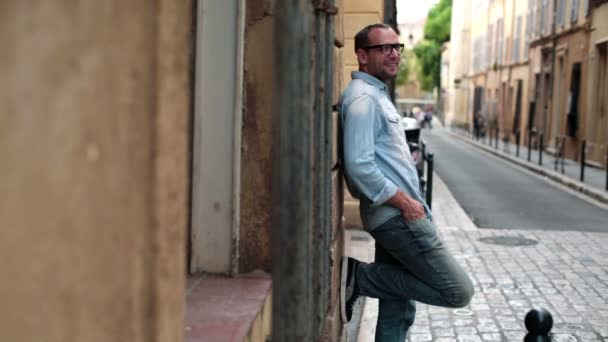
(513, 271)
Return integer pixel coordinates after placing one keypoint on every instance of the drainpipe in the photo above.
(238, 119)
(323, 81)
(326, 113)
(551, 75)
(293, 303)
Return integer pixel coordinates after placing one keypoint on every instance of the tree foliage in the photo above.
(404, 68)
(428, 55)
(428, 52)
(439, 22)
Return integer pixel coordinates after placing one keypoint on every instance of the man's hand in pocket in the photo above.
(410, 208)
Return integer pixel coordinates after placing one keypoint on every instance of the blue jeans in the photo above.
(413, 265)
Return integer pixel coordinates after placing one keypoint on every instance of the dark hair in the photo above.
(362, 37)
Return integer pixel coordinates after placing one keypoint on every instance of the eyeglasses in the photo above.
(386, 49)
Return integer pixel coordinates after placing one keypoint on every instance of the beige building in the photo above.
(534, 72)
(446, 91)
(478, 99)
(596, 100)
(558, 65)
(456, 84)
(515, 90)
(140, 148)
(412, 33)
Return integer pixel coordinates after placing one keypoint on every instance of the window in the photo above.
(573, 100)
(561, 8)
(489, 42)
(574, 11)
(517, 41)
(500, 41)
(542, 22)
(535, 29)
(601, 88)
(529, 26)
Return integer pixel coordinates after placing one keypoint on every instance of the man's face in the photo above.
(374, 62)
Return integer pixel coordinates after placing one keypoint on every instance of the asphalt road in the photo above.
(496, 194)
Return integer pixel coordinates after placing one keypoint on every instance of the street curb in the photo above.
(557, 177)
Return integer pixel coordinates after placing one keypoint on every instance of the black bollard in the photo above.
(556, 153)
(539, 322)
(562, 152)
(429, 180)
(517, 137)
(606, 168)
(583, 150)
(529, 144)
(540, 150)
(537, 338)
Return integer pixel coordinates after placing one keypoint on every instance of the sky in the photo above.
(412, 10)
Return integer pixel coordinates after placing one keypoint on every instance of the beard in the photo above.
(385, 75)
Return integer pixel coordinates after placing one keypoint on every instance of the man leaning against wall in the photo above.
(412, 264)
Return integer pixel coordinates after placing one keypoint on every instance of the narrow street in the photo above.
(532, 244)
(497, 195)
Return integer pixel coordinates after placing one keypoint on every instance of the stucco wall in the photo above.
(94, 112)
(572, 49)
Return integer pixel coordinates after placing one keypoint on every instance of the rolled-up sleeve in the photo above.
(361, 123)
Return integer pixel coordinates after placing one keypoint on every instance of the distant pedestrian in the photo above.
(428, 118)
(412, 263)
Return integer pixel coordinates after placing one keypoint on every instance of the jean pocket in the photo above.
(423, 234)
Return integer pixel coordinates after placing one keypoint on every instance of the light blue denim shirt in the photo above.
(377, 160)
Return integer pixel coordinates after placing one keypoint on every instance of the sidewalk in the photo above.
(513, 270)
(594, 184)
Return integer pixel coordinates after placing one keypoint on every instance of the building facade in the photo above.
(456, 84)
(535, 72)
(596, 100)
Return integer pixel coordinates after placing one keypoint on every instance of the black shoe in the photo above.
(349, 291)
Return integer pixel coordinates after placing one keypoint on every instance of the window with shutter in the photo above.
(498, 43)
(489, 42)
(517, 41)
(543, 7)
(574, 11)
(560, 13)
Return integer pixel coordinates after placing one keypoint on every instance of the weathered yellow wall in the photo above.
(357, 15)
(94, 115)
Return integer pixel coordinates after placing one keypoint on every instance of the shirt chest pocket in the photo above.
(393, 130)
(392, 119)
(390, 112)
(394, 126)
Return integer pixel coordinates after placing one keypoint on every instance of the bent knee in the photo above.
(461, 295)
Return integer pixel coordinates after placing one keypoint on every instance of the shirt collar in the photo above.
(368, 79)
